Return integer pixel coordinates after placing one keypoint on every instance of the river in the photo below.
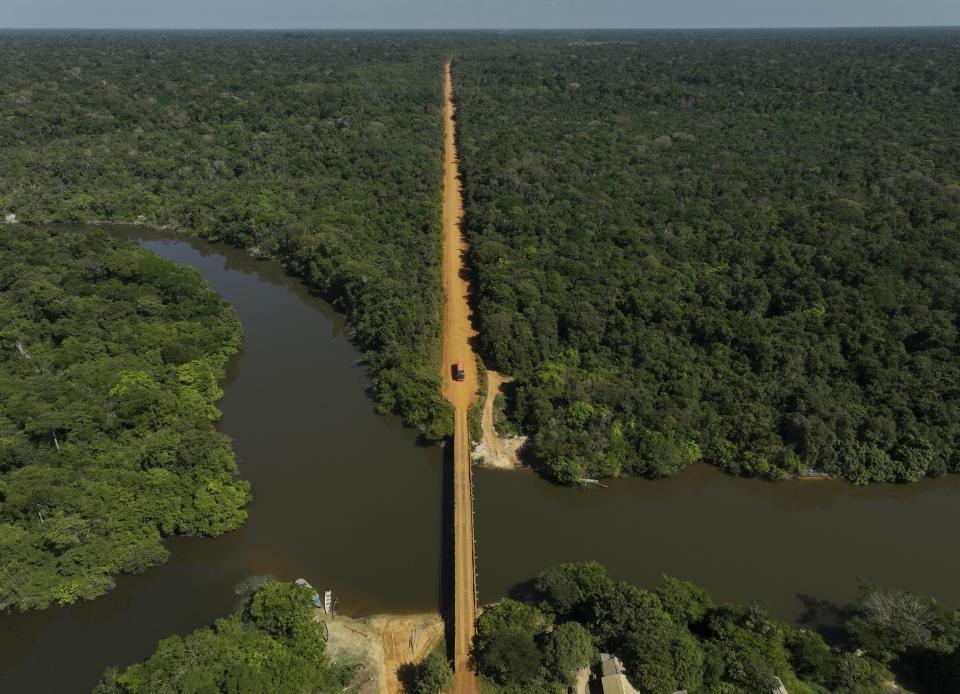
(350, 501)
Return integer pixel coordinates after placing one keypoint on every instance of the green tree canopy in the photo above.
(322, 151)
(110, 362)
(676, 637)
(740, 248)
(273, 646)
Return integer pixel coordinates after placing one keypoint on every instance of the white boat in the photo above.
(328, 601)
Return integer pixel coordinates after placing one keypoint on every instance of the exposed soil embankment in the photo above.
(495, 450)
(382, 643)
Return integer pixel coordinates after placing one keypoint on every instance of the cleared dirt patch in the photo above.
(383, 643)
(495, 450)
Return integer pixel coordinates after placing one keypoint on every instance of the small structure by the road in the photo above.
(612, 678)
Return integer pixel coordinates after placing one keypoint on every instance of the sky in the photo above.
(472, 14)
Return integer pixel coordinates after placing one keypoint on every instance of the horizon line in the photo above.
(810, 27)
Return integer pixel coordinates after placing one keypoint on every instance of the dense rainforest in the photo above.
(321, 150)
(676, 637)
(110, 360)
(739, 247)
(270, 643)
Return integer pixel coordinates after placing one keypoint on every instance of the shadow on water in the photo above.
(825, 616)
(447, 548)
(743, 540)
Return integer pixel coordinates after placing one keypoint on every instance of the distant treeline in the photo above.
(110, 360)
(322, 150)
(737, 247)
(676, 637)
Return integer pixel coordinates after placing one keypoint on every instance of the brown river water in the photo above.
(350, 501)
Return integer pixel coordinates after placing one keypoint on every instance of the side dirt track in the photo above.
(457, 331)
(494, 450)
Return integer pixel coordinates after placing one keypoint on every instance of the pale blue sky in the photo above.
(472, 14)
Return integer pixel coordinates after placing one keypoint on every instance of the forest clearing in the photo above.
(384, 643)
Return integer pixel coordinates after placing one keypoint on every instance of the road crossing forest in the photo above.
(461, 391)
(735, 248)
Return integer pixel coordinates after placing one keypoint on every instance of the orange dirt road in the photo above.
(457, 331)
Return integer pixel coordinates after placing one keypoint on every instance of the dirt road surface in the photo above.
(457, 331)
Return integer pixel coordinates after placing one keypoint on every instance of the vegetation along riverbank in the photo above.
(275, 640)
(322, 150)
(271, 643)
(676, 637)
(552, 633)
(734, 247)
(109, 372)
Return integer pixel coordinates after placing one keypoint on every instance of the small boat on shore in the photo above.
(315, 598)
(328, 602)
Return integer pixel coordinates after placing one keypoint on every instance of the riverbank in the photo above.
(383, 643)
(503, 452)
(296, 384)
(309, 440)
(494, 450)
